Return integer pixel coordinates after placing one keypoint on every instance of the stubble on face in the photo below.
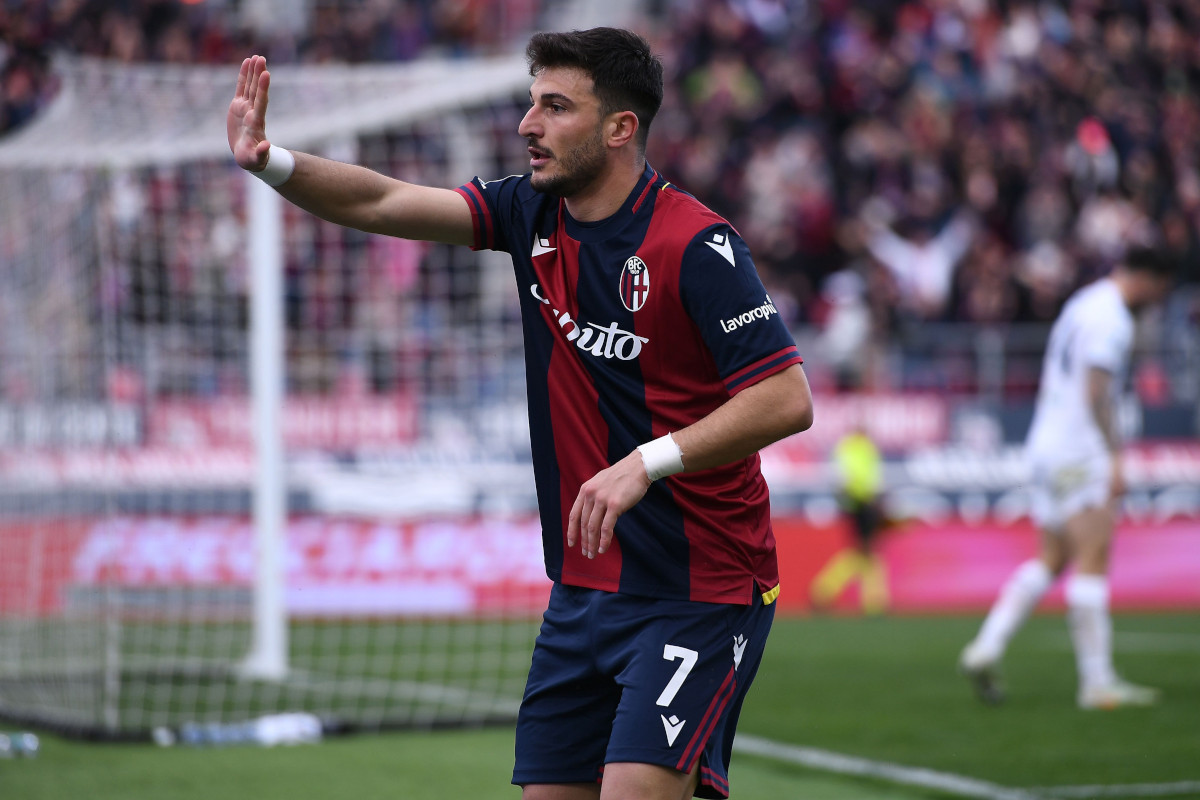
(577, 169)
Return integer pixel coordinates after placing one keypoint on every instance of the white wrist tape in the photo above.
(280, 166)
(662, 457)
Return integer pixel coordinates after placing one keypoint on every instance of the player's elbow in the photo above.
(794, 414)
(800, 414)
(782, 404)
(798, 407)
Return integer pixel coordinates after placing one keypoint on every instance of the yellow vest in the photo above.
(860, 465)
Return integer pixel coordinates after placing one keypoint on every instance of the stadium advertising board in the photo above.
(338, 567)
(333, 567)
(67, 424)
(327, 423)
(959, 567)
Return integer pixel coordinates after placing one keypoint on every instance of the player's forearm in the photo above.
(1103, 413)
(359, 198)
(1100, 402)
(341, 193)
(772, 409)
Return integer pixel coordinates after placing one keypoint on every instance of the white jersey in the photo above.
(1094, 329)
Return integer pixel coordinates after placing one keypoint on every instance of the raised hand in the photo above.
(246, 122)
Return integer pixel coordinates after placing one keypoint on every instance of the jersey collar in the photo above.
(600, 230)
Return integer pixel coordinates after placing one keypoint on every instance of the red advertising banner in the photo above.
(959, 567)
(478, 566)
(35, 559)
(333, 567)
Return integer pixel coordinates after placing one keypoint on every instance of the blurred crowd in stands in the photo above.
(943, 160)
(892, 164)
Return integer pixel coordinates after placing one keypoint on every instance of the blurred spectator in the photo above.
(845, 340)
(1018, 145)
(1059, 129)
(923, 261)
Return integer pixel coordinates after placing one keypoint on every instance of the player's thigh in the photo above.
(560, 791)
(1062, 490)
(625, 780)
(1090, 534)
(1055, 550)
(686, 671)
(566, 714)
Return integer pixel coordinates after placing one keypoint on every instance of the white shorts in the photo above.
(1061, 490)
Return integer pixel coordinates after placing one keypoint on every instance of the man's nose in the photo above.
(528, 127)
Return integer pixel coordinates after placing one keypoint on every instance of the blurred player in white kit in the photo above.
(1074, 450)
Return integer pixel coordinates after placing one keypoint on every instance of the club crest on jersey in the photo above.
(635, 283)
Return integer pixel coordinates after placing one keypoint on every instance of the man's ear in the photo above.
(621, 127)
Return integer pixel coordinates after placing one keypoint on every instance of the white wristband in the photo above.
(280, 166)
(662, 457)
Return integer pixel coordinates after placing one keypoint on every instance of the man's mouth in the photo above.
(539, 157)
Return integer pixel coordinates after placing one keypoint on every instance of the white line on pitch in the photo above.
(1174, 789)
(867, 768)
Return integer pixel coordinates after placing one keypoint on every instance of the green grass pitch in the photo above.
(884, 689)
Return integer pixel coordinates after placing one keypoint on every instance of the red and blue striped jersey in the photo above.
(636, 326)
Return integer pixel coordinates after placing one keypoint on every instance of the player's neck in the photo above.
(605, 196)
(1124, 288)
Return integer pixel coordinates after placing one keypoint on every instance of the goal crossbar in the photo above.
(162, 115)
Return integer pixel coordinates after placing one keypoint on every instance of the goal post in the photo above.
(249, 461)
(268, 656)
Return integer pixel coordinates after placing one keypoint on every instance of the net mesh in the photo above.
(126, 457)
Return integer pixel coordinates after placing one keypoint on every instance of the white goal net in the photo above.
(130, 457)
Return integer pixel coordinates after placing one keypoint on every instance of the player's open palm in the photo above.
(246, 122)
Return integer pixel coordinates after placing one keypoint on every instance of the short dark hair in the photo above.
(626, 75)
(1152, 260)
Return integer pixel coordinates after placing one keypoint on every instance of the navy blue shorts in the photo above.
(617, 678)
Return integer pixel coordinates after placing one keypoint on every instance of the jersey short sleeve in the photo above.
(1107, 341)
(493, 205)
(737, 319)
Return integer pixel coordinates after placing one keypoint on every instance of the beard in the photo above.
(577, 169)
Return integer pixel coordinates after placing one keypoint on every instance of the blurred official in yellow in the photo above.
(860, 475)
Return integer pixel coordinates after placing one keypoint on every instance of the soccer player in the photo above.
(1074, 450)
(657, 367)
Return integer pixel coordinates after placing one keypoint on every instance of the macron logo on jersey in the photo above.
(749, 317)
(739, 647)
(541, 246)
(672, 727)
(720, 243)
